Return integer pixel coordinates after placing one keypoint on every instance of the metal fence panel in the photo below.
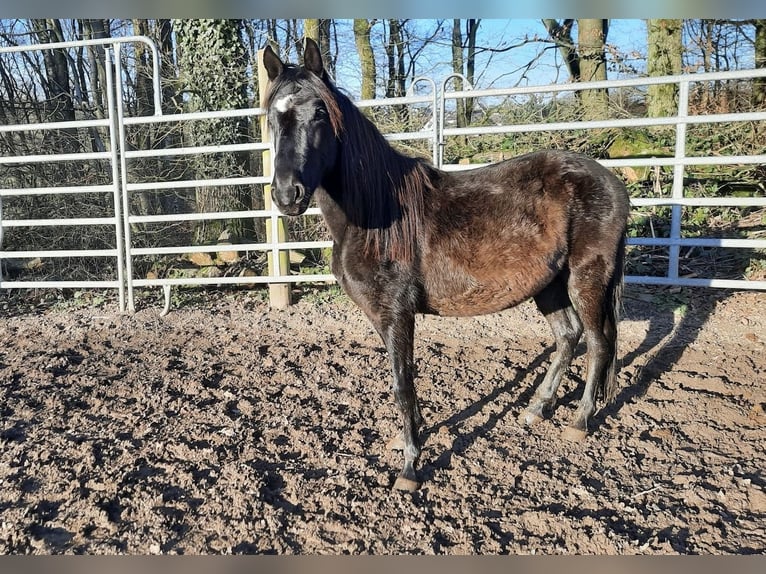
(433, 129)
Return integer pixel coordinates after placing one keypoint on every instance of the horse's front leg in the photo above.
(398, 335)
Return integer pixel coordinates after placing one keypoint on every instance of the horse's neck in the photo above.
(333, 214)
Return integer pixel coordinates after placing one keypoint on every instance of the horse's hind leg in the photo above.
(555, 305)
(592, 295)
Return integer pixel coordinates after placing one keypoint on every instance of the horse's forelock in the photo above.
(327, 93)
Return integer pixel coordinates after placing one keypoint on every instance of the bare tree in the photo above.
(464, 63)
(585, 61)
(561, 34)
(56, 84)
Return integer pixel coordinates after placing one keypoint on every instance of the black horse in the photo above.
(409, 238)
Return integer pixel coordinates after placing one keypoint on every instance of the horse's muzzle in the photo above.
(289, 197)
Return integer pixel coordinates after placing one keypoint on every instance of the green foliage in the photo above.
(322, 294)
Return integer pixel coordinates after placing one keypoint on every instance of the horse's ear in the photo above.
(272, 63)
(312, 59)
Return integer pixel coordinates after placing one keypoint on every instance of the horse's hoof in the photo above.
(529, 419)
(406, 484)
(396, 443)
(573, 434)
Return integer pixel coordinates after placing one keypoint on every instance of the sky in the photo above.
(503, 69)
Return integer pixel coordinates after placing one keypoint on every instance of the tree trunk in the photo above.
(325, 27)
(759, 86)
(464, 64)
(664, 59)
(396, 86)
(472, 26)
(319, 31)
(591, 40)
(457, 68)
(366, 57)
(561, 34)
(91, 75)
(144, 106)
(311, 29)
(56, 85)
(168, 201)
(143, 66)
(212, 60)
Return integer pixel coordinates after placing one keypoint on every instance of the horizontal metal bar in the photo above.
(699, 242)
(77, 44)
(229, 247)
(660, 161)
(19, 192)
(193, 116)
(687, 160)
(603, 124)
(401, 136)
(172, 217)
(198, 183)
(234, 280)
(401, 100)
(57, 284)
(59, 253)
(200, 248)
(57, 222)
(179, 151)
(700, 201)
(51, 157)
(175, 217)
(697, 282)
(607, 84)
(73, 124)
(305, 245)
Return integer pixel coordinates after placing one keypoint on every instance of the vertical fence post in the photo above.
(278, 261)
(116, 172)
(679, 169)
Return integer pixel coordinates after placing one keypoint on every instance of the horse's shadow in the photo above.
(668, 334)
(464, 441)
(673, 325)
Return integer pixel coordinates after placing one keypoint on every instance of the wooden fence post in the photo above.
(279, 293)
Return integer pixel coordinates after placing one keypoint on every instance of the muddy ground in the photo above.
(227, 427)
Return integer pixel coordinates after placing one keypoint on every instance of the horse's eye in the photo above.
(320, 113)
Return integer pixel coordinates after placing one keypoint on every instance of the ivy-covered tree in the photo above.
(213, 72)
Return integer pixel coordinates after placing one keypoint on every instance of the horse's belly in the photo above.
(479, 301)
(468, 296)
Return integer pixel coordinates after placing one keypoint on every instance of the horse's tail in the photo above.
(612, 308)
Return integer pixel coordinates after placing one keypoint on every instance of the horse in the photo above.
(410, 239)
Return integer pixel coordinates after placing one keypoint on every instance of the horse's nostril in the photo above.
(300, 191)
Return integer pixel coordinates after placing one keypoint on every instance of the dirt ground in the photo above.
(227, 427)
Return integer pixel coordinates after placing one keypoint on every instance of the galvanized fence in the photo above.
(433, 130)
(679, 161)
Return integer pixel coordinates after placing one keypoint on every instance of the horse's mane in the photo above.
(382, 190)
